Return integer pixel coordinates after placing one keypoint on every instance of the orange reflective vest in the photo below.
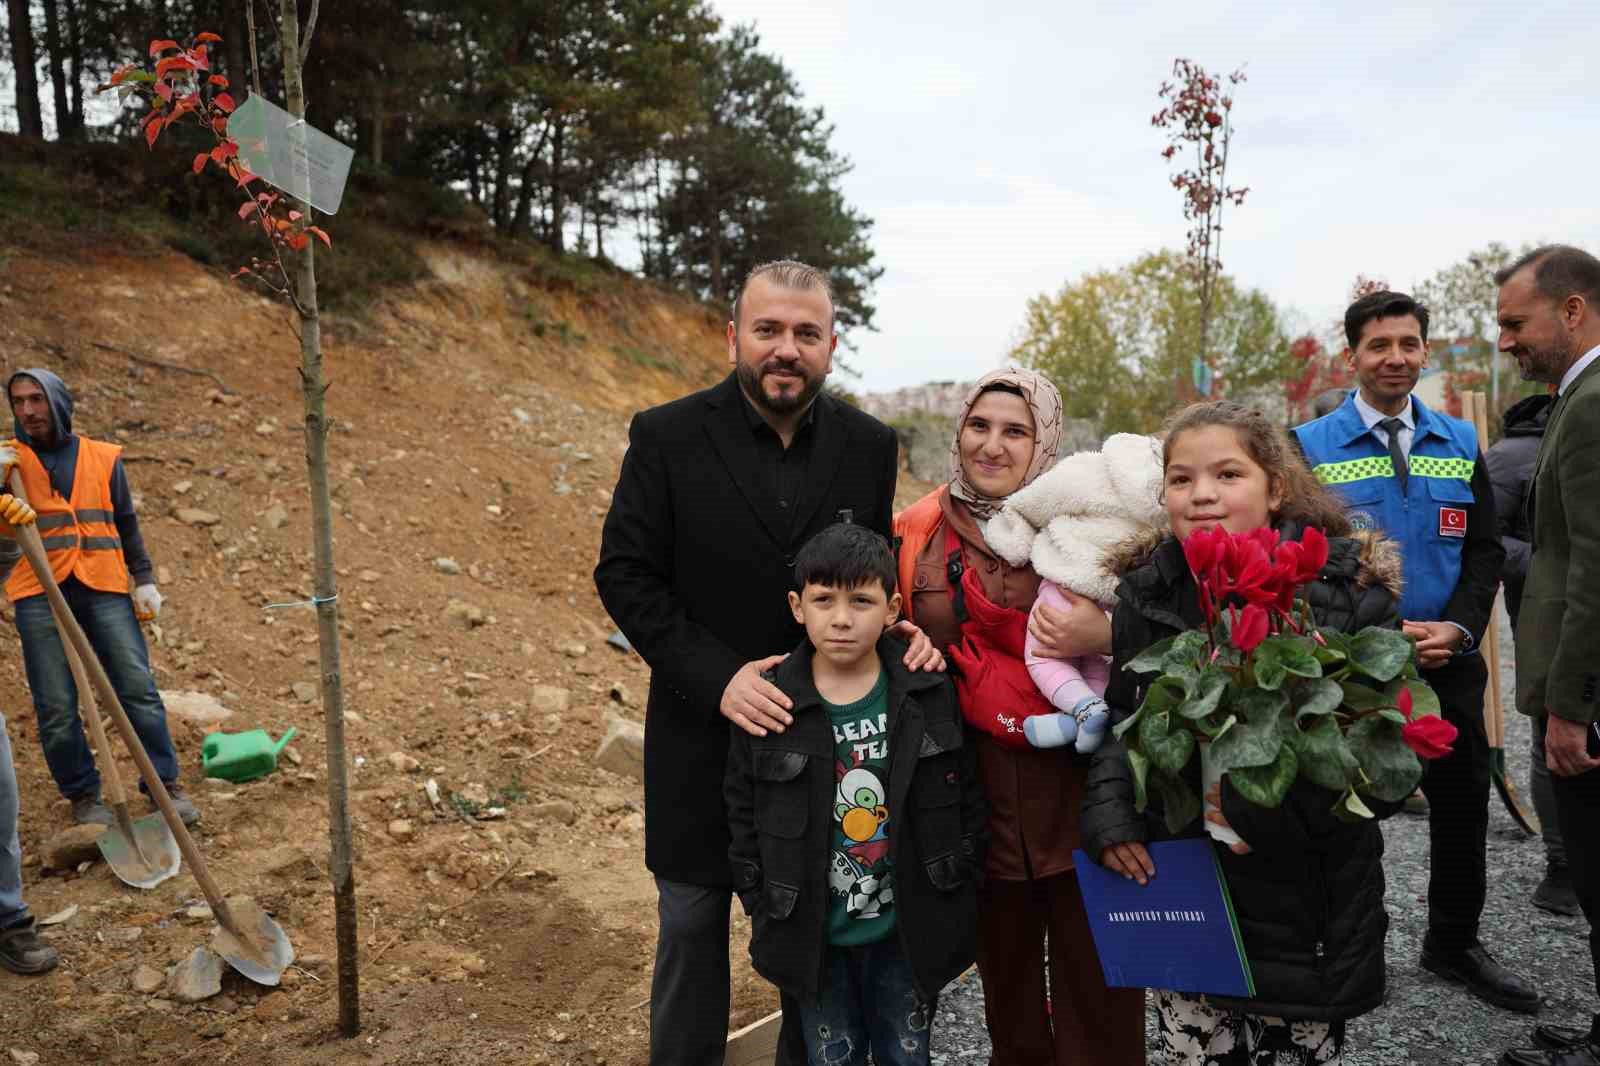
(80, 534)
(913, 528)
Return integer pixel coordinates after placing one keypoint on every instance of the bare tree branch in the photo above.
(311, 27)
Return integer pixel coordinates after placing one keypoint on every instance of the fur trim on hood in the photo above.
(1377, 557)
(1066, 521)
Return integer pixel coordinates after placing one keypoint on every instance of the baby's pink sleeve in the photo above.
(1064, 682)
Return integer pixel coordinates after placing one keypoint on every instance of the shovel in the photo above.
(248, 940)
(141, 853)
(1494, 719)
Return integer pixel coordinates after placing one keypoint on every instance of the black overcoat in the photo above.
(695, 568)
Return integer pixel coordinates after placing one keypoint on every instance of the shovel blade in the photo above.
(261, 951)
(1527, 819)
(146, 860)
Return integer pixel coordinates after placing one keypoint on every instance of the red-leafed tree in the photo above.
(181, 88)
(1197, 116)
(1314, 370)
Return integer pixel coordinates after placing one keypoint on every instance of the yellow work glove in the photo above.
(14, 511)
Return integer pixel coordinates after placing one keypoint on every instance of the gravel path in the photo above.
(1426, 1021)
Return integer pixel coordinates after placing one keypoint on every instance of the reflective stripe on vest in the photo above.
(79, 534)
(1382, 466)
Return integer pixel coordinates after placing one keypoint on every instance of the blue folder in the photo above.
(1177, 932)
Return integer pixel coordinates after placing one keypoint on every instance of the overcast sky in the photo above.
(1005, 149)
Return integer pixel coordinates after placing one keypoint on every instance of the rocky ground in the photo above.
(1425, 1021)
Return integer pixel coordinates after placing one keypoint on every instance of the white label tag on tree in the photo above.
(290, 155)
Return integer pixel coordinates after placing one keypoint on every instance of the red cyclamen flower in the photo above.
(1250, 628)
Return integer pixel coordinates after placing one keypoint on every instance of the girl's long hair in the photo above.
(1305, 499)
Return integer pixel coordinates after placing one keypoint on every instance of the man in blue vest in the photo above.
(1414, 473)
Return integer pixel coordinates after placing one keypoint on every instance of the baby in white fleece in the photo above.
(1063, 524)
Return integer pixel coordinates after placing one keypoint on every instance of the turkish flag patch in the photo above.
(1452, 522)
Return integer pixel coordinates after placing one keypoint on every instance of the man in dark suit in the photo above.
(718, 491)
(1549, 311)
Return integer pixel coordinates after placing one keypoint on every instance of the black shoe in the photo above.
(1550, 1037)
(1485, 978)
(1584, 1054)
(1555, 893)
(21, 951)
(88, 810)
(188, 813)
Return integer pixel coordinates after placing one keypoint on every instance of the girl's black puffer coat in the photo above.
(1309, 896)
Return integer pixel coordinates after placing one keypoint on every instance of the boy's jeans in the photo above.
(868, 1002)
(12, 910)
(108, 621)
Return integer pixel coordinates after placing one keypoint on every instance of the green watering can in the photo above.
(242, 756)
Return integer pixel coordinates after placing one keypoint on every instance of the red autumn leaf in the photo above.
(297, 242)
(199, 59)
(172, 64)
(218, 156)
(321, 236)
(122, 72)
(245, 177)
(200, 162)
(202, 38)
(223, 101)
(219, 123)
(157, 47)
(241, 272)
(218, 80)
(247, 209)
(152, 131)
(294, 216)
(229, 149)
(164, 90)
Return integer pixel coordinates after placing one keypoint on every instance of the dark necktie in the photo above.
(1393, 426)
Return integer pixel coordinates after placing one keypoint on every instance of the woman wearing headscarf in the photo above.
(1061, 1014)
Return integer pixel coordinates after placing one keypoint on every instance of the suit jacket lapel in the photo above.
(730, 435)
(827, 454)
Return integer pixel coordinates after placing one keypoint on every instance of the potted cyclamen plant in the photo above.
(1268, 696)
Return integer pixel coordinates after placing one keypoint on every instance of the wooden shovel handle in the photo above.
(72, 634)
(1494, 721)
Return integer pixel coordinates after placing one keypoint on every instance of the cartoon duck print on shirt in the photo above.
(860, 869)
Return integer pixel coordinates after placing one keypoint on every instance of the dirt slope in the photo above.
(482, 417)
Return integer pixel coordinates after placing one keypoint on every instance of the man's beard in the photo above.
(750, 380)
(1544, 364)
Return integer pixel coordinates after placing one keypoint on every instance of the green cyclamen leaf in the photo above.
(1207, 694)
(1246, 744)
(1423, 699)
(1167, 748)
(1325, 756)
(1140, 767)
(1149, 660)
(1179, 803)
(1392, 768)
(1266, 786)
(1318, 697)
(1359, 697)
(1380, 653)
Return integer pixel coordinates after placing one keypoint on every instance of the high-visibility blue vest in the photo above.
(1429, 519)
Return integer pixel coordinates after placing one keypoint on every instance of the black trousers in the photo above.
(1457, 787)
(1578, 808)
(689, 987)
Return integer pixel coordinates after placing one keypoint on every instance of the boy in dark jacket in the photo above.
(857, 832)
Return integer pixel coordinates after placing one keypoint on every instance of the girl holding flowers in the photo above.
(1307, 885)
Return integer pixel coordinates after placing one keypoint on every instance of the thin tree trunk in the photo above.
(717, 291)
(558, 204)
(341, 868)
(504, 141)
(58, 71)
(25, 60)
(377, 118)
(233, 47)
(75, 65)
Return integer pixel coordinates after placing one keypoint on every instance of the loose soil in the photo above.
(481, 417)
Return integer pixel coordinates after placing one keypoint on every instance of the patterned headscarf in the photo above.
(1045, 403)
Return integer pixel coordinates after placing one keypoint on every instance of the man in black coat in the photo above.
(718, 491)
(1510, 462)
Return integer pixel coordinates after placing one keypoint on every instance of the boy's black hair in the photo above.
(1376, 305)
(844, 556)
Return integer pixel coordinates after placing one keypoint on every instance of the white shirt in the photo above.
(1371, 416)
(1577, 368)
